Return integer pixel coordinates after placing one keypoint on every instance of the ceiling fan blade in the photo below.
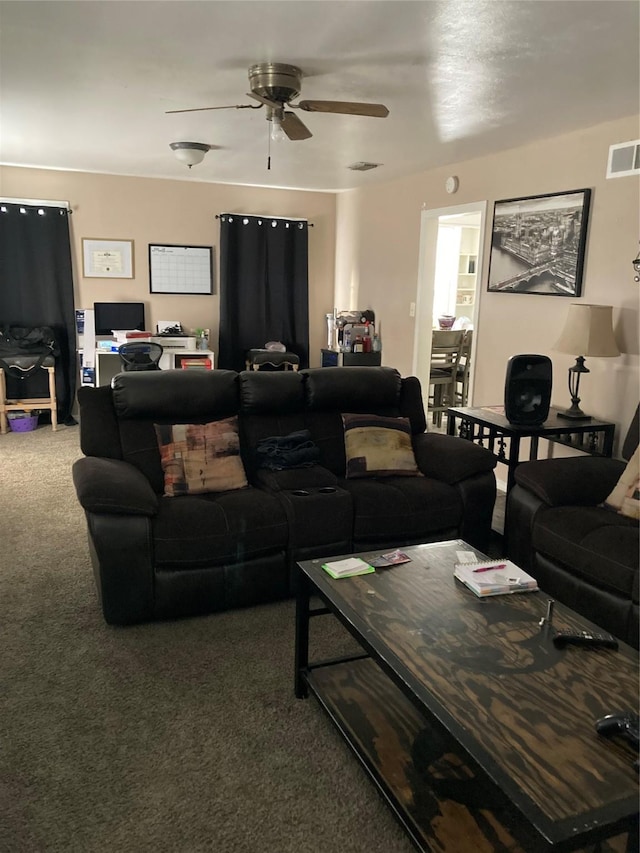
(230, 107)
(294, 128)
(273, 104)
(344, 107)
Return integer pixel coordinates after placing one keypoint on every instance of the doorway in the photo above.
(450, 263)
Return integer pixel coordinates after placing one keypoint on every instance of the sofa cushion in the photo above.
(312, 477)
(261, 393)
(218, 528)
(199, 458)
(175, 396)
(625, 497)
(401, 509)
(596, 545)
(353, 389)
(377, 446)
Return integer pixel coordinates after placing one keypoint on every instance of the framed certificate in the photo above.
(107, 258)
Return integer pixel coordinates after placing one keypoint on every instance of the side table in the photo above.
(487, 424)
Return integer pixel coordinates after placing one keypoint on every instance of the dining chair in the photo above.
(461, 390)
(446, 349)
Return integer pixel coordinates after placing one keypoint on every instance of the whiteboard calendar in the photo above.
(180, 269)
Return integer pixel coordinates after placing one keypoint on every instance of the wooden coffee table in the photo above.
(478, 732)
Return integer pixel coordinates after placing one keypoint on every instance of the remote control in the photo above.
(584, 638)
(626, 725)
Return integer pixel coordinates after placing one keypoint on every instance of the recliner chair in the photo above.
(581, 553)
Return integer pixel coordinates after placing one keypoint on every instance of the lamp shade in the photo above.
(588, 330)
(190, 153)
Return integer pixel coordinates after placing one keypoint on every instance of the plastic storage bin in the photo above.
(19, 422)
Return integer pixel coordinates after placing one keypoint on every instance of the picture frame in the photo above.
(538, 244)
(185, 270)
(107, 258)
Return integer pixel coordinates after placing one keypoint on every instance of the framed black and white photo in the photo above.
(538, 244)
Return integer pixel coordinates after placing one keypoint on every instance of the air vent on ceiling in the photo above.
(624, 159)
(363, 166)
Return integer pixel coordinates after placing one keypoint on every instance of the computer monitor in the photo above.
(111, 316)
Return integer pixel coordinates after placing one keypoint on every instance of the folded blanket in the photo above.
(295, 450)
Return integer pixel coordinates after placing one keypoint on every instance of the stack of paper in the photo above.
(348, 568)
(495, 577)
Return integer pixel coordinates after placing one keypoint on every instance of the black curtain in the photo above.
(264, 287)
(36, 284)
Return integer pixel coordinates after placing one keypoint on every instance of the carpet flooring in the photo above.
(181, 736)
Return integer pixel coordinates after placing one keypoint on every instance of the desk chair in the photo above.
(140, 355)
(446, 348)
(25, 365)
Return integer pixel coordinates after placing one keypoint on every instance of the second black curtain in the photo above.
(264, 289)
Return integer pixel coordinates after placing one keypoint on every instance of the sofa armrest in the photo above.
(574, 481)
(114, 487)
(451, 459)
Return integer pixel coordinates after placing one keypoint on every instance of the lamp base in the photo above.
(575, 413)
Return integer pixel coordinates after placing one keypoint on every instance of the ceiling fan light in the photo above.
(190, 153)
(276, 131)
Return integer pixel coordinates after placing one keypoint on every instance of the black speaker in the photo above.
(527, 389)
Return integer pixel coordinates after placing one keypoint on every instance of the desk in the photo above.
(488, 424)
(108, 363)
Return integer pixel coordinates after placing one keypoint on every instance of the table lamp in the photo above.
(588, 330)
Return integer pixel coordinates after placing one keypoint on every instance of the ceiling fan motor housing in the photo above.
(276, 81)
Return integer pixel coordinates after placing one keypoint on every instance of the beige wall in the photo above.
(367, 242)
(377, 263)
(183, 212)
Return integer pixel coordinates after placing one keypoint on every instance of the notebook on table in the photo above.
(494, 577)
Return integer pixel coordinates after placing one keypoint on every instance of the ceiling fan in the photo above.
(275, 85)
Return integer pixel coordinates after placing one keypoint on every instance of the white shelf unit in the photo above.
(467, 270)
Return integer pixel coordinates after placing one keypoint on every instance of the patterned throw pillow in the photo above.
(199, 458)
(625, 498)
(378, 446)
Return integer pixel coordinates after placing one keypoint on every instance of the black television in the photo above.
(112, 316)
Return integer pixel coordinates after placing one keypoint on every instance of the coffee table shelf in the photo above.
(381, 726)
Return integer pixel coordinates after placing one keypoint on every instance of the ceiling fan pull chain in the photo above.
(269, 149)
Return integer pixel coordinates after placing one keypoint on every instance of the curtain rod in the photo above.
(267, 216)
(36, 202)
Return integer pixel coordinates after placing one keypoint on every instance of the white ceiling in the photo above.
(85, 85)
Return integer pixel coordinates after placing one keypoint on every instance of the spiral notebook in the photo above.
(494, 577)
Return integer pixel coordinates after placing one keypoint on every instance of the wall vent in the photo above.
(624, 159)
(363, 166)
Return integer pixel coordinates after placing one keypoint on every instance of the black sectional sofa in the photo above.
(582, 554)
(160, 557)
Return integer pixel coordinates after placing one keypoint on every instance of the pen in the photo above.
(490, 568)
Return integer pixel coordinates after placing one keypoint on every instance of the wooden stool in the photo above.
(28, 404)
(274, 358)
